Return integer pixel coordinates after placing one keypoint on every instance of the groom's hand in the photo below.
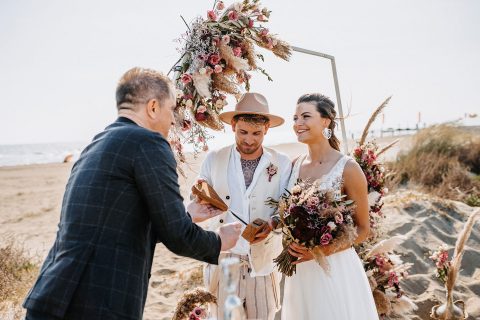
(200, 211)
(229, 234)
(263, 234)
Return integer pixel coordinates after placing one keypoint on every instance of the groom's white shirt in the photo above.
(241, 197)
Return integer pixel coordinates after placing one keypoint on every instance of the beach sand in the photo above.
(30, 202)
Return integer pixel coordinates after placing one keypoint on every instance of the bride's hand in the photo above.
(299, 251)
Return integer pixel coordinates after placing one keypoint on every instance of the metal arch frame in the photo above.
(337, 89)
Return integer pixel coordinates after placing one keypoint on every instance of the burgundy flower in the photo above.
(325, 239)
(201, 116)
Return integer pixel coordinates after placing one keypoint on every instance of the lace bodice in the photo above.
(331, 180)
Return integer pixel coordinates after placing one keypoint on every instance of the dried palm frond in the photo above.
(384, 246)
(372, 119)
(202, 84)
(403, 305)
(222, 83)
(387, 147)
(190, 300)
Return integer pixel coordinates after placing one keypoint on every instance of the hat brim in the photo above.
(275, 121)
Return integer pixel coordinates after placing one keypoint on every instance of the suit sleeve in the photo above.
(157, 181)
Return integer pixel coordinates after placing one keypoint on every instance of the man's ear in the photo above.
(152, 108)
(267, 126)
(234, 125)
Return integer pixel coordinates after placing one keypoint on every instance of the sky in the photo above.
(60, 60)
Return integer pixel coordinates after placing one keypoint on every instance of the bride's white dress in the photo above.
(344, 294)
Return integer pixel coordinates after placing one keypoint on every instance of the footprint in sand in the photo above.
(164, 272)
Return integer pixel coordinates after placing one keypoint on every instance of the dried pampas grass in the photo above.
(384, 246)
(222, 83)
(383, 304)
(238, 64)
(372, 119)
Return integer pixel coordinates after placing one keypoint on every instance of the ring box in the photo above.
(253, 228)
(206, 193)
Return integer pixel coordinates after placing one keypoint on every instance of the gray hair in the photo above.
(139, 85)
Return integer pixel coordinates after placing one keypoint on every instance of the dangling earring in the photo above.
(327, 133)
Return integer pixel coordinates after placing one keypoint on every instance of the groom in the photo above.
(121, 199)
(245, 175)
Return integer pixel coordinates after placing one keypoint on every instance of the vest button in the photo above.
(221, 220)
(227, 197)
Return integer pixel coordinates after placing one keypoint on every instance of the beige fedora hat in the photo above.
(252, 103)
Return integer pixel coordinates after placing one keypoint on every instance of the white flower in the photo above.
(373, 198)
(385, 190)
(238, 6)
(202, 71)
(189, 103)
(219, 104)
(332, 225)
(179, 93)
(296, 189)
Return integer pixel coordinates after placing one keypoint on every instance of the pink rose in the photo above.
(218, 69)
(201, 139)
(211, 15)
(261, 17)
(313, 202)
(237, 51)
(216, 41)
(338, 217)
(226, 39)
(214, 59)
(201, 109)
(250, 23)
(220, 5)
(325, 239)
(232, 15)
(264, 32)
(186, 78)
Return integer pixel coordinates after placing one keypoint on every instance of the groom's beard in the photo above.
(248, 148)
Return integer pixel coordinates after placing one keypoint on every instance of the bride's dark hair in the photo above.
(326, 108)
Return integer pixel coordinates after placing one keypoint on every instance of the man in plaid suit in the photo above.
(121, 199)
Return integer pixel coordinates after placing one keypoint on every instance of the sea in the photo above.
(24, 154)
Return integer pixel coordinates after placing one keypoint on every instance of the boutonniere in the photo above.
(271, 170)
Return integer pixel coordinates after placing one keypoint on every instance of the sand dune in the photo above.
(30, 198)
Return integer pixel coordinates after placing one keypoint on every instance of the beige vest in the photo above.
(262, 190)
(261, 254)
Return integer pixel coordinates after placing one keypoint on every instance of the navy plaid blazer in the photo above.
(122, 198)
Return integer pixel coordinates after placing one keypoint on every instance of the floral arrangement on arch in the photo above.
(313, 218)
(217, 56)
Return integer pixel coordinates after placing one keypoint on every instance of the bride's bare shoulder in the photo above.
(353, 173)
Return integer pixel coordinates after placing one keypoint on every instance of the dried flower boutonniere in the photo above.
(271, 170)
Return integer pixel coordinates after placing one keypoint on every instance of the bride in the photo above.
(345, 293)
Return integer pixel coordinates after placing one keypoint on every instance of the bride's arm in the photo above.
(355, 187)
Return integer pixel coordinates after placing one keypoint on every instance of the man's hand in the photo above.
(263, 234)
(201, 211)
(229, 234)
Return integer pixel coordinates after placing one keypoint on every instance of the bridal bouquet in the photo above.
(313, 218)
(217, 56)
